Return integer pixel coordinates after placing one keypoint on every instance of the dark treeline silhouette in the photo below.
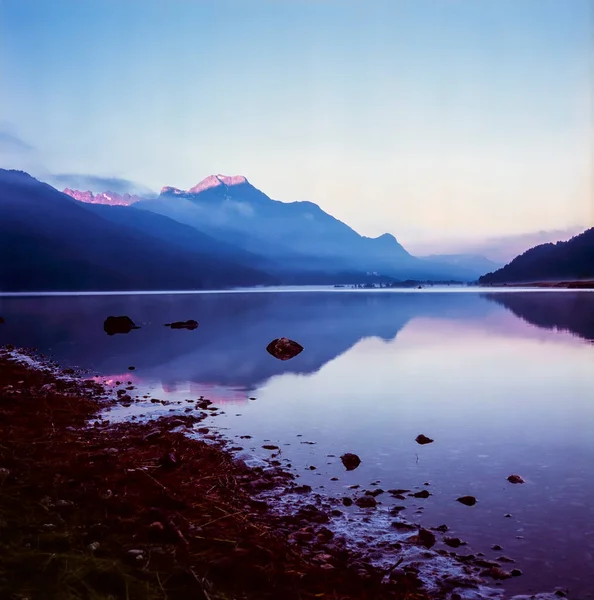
(569, 260)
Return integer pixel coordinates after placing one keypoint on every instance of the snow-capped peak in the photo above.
(215, 181)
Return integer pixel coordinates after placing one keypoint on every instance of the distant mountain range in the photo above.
(110, 198)
(222, 232)
(299, 237)
(300, 241)
(467, 261)
(570, 260)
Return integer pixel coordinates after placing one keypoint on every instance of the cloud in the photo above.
(16, 153)
(11, 143)
(95, 183)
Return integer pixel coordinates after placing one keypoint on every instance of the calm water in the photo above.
(504, 383)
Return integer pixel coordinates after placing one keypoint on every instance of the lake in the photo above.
(503, 381)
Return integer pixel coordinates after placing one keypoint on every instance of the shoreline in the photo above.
(570, 285)
(454, 289)
(169, 516)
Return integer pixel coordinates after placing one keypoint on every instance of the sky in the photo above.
(435, 120)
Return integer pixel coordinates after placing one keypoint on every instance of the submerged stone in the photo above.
(191, 324)
(515, 479)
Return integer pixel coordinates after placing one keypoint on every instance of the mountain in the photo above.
(298, 235)
(110, 198)
(230, 207)
(182, 237)
(474, 263)
(573, 259)
(49, 241)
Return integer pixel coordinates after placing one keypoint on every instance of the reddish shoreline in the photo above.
(140, 511)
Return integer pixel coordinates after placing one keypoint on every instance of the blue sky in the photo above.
(431, 119)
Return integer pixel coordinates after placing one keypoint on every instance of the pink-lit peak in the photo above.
(217, 180)
(211, 181)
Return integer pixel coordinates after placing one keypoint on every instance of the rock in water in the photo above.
(453, 542)
(1, 320)
(423, 439)
(350, 461)
(284, 348)
(366, 502)
(113, 325)
(426, 538)
(191, 324)
(421, 494)
(515, 479)
(467, 500)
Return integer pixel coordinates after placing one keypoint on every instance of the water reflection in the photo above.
(229, 347)
(573, 312)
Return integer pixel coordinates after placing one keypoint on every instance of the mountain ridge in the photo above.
(108, 197)
(50, 241)
(298, 235)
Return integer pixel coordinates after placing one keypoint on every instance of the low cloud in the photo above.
(500, 249)
(96, 184)
(12, 143)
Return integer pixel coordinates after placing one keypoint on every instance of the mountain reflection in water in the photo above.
(228, 348)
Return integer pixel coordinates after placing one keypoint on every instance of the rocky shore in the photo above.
(99, 510)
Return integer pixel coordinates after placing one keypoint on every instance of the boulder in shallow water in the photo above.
(426, 538)
(423, 439)
(366, 502)
(515, 479)
(284, 348)
(454, 542)
(467, 500)
(421, 494)
(191, 324)
(124, 324)
(350, 461)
